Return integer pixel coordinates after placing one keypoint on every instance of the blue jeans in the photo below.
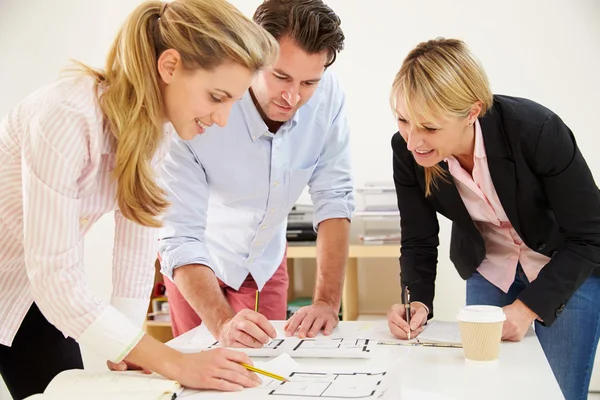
(570, 343)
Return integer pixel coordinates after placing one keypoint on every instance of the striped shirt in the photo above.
(56, 163)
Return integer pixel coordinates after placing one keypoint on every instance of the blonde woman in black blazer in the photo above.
(525, 208)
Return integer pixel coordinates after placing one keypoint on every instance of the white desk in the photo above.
(522, 371)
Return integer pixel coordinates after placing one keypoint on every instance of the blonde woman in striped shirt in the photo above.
(88, 145)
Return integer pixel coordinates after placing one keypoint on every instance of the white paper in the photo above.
(441, 331)
(435, 331)
(312, 383)
(78, 381)
(126, 385)
(103, 396)
(414, 394)
(319, 347)
(353, 340)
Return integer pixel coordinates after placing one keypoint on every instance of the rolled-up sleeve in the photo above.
(55, 152)
(182, 239)
(331, 185)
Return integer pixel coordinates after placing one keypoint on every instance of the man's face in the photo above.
(291, 81)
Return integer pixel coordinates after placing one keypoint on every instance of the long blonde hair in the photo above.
(205, 33)
(441, 77)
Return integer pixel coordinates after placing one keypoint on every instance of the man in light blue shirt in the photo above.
(232, 187)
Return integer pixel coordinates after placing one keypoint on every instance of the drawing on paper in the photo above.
(273, 344)
(332, 344)
(337, 385)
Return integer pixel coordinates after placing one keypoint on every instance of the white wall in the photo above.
(545, 50)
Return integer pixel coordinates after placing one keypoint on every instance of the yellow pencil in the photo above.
(265, 373)
(256, 301)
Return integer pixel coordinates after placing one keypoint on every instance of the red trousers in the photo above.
(272, 302)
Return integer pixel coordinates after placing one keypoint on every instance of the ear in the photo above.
(168, 62)
(474, 113)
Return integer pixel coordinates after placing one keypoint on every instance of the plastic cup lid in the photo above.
(481, 314)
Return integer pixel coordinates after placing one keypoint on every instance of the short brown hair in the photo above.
(310, 23)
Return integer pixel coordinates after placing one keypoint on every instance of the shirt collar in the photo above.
(254, 122)
(479, 147)
(256, 125)
(479, 150)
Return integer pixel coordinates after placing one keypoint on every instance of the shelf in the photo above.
(355, 251)
(165, 324)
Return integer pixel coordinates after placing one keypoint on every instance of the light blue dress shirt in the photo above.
(231, 188)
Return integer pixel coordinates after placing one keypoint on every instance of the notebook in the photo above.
(128, 385)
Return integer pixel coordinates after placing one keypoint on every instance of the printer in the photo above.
(300, 224)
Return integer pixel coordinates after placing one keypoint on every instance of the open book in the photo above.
(128, 385)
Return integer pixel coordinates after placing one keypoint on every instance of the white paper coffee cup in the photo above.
(481, 331)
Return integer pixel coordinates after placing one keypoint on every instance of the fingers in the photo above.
(236, 356)
(117, 366)
(306, 325)
(396, 316)
(262, 323)
(397, 331)
(329, 325)
(236, 373)
(248, 329)
(224, 386)
(511, 332)
(294, 322)
(398, 326)
(287, 323)
(232, 370)
(242, 339)
(416, 332)
(124, 366)
(238, 379)
(505, 330)
(317, 325)
(418, 318)
(308, 321)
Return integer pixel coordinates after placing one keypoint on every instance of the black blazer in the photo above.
(545, 187)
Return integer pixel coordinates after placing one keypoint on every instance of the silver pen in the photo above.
(407, 308)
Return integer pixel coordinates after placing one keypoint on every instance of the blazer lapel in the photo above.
(501, 164)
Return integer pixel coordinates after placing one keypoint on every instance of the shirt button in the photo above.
(264, 227)
(272, 210)
(276, 183)
(84, 221)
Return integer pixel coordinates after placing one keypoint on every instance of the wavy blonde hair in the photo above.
(441, 77)
(205, 33)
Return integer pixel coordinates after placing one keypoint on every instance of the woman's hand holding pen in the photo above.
(397, 320)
